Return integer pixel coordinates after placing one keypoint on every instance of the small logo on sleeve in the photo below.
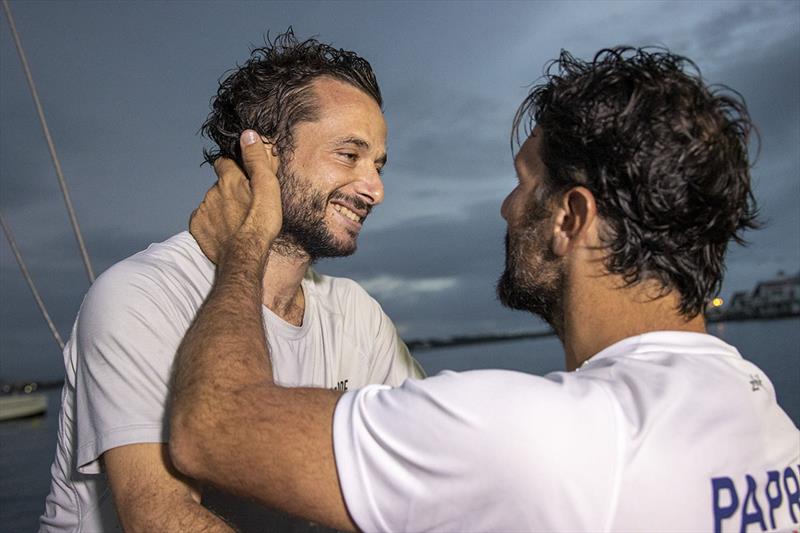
(755, 382)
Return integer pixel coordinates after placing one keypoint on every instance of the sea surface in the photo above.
(27, 446)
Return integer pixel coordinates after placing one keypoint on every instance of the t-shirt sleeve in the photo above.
(391, 362)
(474, 451)
(126, 340)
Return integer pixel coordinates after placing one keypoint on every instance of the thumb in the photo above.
(259, 163)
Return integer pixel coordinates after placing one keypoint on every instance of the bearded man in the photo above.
(633, 177)
(320, 110)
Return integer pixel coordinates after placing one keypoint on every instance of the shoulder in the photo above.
(481, 434)
(166, 274)
(549, 411)
(519, 395)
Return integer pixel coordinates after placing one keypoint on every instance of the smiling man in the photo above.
(633, 178)
(319, 108)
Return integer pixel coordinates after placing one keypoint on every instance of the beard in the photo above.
(534, 277)
(304, 231)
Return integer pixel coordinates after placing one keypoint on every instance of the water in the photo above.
(27, 446)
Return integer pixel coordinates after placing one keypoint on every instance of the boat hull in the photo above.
(22, 405)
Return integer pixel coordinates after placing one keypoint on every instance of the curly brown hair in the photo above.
(664, 154)
(271, 93)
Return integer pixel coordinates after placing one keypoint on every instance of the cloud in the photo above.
(124, 117)
(453, 263)
(385, 286)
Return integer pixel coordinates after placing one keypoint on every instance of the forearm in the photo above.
(224, 352)
(150, 495)
(171, 517)
(230, 425)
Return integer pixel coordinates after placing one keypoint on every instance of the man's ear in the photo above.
(273, 151)
(271, 143)
(574, 220)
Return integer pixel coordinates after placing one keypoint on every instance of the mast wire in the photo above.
(28, 279)
(61, 181)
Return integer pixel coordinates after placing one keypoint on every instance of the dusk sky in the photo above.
(126, 86)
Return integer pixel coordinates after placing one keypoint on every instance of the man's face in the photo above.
(534, 276)
(332, 180)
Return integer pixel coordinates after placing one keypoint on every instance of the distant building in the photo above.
(772, 298)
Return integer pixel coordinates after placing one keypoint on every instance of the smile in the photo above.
(347, 213)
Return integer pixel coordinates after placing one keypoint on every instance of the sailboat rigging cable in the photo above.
(61, 181)
(28, 279)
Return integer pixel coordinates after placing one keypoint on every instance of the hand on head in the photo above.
(235, 205)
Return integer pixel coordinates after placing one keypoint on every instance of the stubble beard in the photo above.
(304, 232)
(534, 278)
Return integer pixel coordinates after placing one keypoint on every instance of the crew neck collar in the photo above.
(684, 342)
(276, 325)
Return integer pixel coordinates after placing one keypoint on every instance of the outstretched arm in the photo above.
(231, 426)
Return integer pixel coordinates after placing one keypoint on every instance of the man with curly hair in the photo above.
(319, 108)
(633, 177)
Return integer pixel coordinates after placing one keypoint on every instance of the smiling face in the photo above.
(332, 180)
(534, 276)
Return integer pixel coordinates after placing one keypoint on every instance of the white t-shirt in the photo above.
(119, 358)
(666, 431)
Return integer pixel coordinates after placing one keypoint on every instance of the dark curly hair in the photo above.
(664, 155)
(271, 93)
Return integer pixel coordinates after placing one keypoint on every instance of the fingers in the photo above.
(202, 230)
(228, 172)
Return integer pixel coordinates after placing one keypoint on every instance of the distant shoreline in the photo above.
(465, 340)
(432, 344)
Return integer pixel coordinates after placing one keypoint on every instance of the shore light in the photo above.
(717, 302)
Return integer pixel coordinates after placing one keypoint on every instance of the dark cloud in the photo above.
(768, 78)
(468, 250)
(60, 278)
(126, 85)
(734, 27)
(431, 247)
(22, 192)
(458, 137)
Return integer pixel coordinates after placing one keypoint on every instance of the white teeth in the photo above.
(346, 212)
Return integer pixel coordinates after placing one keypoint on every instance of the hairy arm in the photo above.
(231, 426)
(150, 495)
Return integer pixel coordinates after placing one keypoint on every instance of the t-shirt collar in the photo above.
(684, 342)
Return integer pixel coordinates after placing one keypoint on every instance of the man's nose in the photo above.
(370, 187)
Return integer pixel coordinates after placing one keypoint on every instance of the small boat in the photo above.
(22, 405)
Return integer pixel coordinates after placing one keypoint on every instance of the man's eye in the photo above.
(380, 170)
(349, 156)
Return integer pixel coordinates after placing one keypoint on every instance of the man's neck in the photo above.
(600, 311)
(282, 285)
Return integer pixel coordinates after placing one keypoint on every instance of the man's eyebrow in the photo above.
(360, 143)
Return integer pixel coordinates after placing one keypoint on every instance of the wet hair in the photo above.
(271, 93)
(664, 155)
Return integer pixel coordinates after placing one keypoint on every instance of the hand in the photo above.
(227, 204)
(222, 210)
